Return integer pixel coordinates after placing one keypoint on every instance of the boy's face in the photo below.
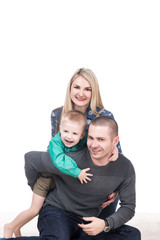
(71, 133)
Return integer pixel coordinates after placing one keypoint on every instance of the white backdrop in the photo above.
(41, 44)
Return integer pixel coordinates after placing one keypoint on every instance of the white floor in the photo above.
(147, 223)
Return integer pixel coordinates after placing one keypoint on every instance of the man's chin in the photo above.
(95, 154)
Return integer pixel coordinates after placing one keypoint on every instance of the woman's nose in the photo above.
(81, 92)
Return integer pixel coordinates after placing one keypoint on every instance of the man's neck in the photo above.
(102, 161)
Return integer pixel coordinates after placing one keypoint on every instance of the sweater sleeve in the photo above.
(127, 202)
(37, 162)
(62, 162)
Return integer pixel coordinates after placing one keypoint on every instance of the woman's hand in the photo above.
(112, 197)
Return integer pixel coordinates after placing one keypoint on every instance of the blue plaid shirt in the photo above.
(56, 114)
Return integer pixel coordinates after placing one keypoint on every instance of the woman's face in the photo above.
(81, 92)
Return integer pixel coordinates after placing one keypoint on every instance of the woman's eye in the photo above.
(88, 89)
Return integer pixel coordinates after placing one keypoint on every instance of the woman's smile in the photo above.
(81, 92)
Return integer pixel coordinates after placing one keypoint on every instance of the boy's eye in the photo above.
(75, 134)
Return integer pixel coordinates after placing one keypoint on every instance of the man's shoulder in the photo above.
(125, 164)
(78, 154)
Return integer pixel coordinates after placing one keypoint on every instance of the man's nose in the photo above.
(94, 143)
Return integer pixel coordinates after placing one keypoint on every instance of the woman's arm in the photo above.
(55, 120)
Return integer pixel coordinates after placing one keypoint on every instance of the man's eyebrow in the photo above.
(89, 135)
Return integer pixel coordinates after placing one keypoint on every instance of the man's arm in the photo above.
(122, 215)
(37, 162)
(127, 202)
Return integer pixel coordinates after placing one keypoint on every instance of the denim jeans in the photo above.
(58, 224)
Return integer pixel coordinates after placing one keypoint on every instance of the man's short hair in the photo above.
(106, 121)
(77, 117)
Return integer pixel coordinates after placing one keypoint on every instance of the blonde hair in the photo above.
(96, 100)
(75, 117)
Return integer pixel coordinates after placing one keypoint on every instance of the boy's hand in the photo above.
(84, 176)
(114, 155)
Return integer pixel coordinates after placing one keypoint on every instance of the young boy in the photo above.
(70, 138)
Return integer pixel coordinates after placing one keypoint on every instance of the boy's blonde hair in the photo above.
(96, 100)
(76, 117)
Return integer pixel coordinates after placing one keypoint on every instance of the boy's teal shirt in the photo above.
(63, 163)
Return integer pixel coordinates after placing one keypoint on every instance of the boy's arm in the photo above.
(62, 162)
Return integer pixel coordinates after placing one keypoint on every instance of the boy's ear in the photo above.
(83, 134)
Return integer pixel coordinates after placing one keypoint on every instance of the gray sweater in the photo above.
(86, 199)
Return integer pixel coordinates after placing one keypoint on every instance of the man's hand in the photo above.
(83, 176)
(95, 226)
(112, 198)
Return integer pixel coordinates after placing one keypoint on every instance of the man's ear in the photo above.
(116, 140)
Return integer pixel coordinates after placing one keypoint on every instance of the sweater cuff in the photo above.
(110, 221)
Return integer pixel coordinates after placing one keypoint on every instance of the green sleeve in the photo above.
(62, 162)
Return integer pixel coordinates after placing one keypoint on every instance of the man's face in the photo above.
(100, 143)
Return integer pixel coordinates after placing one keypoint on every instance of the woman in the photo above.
(83, 94)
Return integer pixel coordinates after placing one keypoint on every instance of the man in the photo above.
(70, 211)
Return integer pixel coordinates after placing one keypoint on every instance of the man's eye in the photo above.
(75, 133)
(100, 139)
(90, 138)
